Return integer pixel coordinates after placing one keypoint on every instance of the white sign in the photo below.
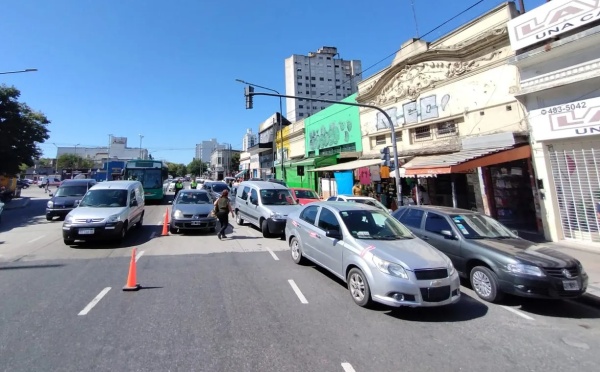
(574, 119)
(550, 20)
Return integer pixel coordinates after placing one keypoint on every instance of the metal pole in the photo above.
(387, 116)
(19, 71)
(281, 137)
(141, 157)
(56, 161)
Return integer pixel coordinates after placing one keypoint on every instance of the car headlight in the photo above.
(451, 268)
(68, 220)
(525, 269)
(50, 204)
(390, 268)
(177, 214)
(114, 218)
(277, 216)
(581, 269)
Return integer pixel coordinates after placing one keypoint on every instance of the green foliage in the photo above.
(21, 130)
(235, 162)
(181, 170)
(172, 169)
(196, 167)
(70, 161)
(44, 162)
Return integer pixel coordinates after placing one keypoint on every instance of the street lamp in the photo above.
(280, 124)
(56, 160)
(76, 159)
(19, 71)
(141, 157)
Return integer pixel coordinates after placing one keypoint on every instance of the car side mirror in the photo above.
(334, 234)
(51, 194)
(77, 203)
(447, 234)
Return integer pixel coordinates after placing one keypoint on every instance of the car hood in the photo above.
(284, 210)
(528, 252)
(193, 208)
(410, 253)
(304, 201)
(93, 213)
(67, 201)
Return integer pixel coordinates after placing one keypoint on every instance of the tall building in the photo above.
(205, 149)
(319, 74)
(249, 140)
(118, 149)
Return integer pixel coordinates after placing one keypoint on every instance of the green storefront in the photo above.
(328, 135)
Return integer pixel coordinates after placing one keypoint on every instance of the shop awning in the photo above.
(351, 165)
(303, 162)
(241, 174)
(464, 161)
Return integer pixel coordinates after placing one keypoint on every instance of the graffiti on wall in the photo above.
(411, 114)
(328, 135)
(382, 122)
(429, 108)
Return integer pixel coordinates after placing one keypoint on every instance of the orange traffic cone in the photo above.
(165, 231)
(132, 284)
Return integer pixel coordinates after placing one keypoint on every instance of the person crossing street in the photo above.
(178, 187)
(193, 184)
(222, 210)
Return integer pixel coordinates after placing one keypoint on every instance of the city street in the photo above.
(241, 304)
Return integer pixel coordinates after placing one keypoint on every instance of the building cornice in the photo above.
(569, 75)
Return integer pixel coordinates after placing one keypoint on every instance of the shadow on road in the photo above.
(43, 266)
(33, 214)
(552, 308)
(135, 237)
(467, 308)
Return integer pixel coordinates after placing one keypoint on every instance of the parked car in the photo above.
(265, 205)
(379, 259)
(107, 211)
(304, 196)
(54, 181)
(68, 195)
(169, 185)
(215, 188)
(191, 211)
(22, 183)
(360, 199)
(495, 259)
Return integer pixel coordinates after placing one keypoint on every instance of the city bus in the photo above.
(151, 173)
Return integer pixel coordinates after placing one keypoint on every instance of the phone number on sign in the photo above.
(564, 108)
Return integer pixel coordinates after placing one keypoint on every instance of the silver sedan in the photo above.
(378, 258)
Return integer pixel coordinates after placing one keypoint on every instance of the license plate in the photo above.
(86, 231)
(196, 223)
(570, 285)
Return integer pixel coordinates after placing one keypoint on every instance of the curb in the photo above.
(9, 206)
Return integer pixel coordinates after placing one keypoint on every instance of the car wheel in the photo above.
(69, 241)
(264, 226)
(296, 251)
(359, 287)
(173, 230)
(48, 218)
(238, 218)
(485, 283)
(123, 232)
(140, 222)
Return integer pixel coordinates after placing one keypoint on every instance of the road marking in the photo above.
(523, 315)
(297, 291)
(348, 367)
(36, 239)
(153, 235)
(138, 255)
(273, 254)
(97, 299)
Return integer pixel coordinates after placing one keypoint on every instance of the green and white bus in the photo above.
(151, 173)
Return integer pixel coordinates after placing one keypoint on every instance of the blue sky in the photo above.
(166, 69)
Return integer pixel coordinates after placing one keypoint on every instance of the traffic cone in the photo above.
(165, 231)
(132, 284)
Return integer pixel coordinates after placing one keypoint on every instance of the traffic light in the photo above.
(248, 93)
(385, 156)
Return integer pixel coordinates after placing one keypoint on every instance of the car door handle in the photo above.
(424, 237)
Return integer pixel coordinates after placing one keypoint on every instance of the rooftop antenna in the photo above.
(412, 4)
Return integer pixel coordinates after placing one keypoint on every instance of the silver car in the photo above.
(378, 258)
(191, 211)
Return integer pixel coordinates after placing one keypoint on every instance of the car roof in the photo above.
(117, 185)
(192, 191)
(264, 185)
(80, 181)
(342, 206)
(301, 188)
(441, 209)
(356, 197)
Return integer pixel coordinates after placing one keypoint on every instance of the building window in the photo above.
(380, 140)
(421, 134)
(301, 114)
(299, 84)
(329, 80)
(337, 87)
(322, 79)
(300, 106)
(328, 58)
(337, 80)
(446, 129)
(313, 78)
(307, 92)
(314, 107)
(299, 69)
(306, 77)
(399, 136)
(313, 86)
(306, 85)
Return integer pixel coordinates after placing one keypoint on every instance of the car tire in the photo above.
(359, 287)
(485, 283)
(123, 232)
(264, 227)
(238, 218)
(69, 241)
(297, 256)
(140, 223)
(173, 230)
(48, 217)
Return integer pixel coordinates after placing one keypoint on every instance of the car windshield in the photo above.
(219, 187)
(276, 197)
(193, 198)
(371, 202)
(104, 198)
(479, 226)
(306, 194)
(377, 225)
(65, 191)
(150, 178)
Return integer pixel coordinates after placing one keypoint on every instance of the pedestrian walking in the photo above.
(46, 185)
(222, 210)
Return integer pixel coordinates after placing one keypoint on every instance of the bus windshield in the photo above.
(150, 178)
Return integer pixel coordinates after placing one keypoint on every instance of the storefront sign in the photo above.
(574, 119)
(550, 20)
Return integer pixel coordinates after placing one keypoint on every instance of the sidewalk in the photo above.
(589, 256)
(17, 203)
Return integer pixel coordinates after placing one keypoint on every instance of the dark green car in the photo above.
(493, 258)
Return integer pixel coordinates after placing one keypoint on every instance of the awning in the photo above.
(351, 165)
(241, 174)
(303, 162)
(464, 161)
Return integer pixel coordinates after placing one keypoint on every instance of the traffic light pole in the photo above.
(250, 93)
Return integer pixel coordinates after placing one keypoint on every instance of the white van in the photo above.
(107, 211)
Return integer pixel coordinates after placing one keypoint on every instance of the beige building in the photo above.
(460, 131)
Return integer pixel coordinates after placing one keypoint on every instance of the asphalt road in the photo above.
(210, 305)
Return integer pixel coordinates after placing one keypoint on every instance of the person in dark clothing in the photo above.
(223, 208)
(178, 187)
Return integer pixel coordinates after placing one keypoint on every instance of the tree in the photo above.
(235, 162)
(70, 161)
(172, 169)
(21, 129)
(44, 162)
(181, 170)
(196, 167)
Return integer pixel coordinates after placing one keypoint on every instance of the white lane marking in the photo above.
(347, 367)
(273, 254)
(152, 235)
(297, 291)
(94, 301)
(523, 315)
(36, 239)
(138, 255)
